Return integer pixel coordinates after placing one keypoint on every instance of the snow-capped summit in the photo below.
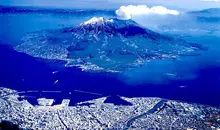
(111, 26)
(97, 20)
(94, 20)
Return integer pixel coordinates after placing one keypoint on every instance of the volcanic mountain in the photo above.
(106, 45)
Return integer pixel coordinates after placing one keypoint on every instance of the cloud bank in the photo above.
(127, 12)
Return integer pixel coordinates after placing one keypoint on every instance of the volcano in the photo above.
(111, 45)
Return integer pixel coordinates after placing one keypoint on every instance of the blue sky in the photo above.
(176, 4)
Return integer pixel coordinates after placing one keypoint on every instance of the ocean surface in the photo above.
(192, 78)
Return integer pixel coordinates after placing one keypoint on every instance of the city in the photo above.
(144, 113)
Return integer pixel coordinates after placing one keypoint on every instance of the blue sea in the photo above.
(192, 78)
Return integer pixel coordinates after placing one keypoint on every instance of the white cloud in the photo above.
(127, 12)
(211, 0)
